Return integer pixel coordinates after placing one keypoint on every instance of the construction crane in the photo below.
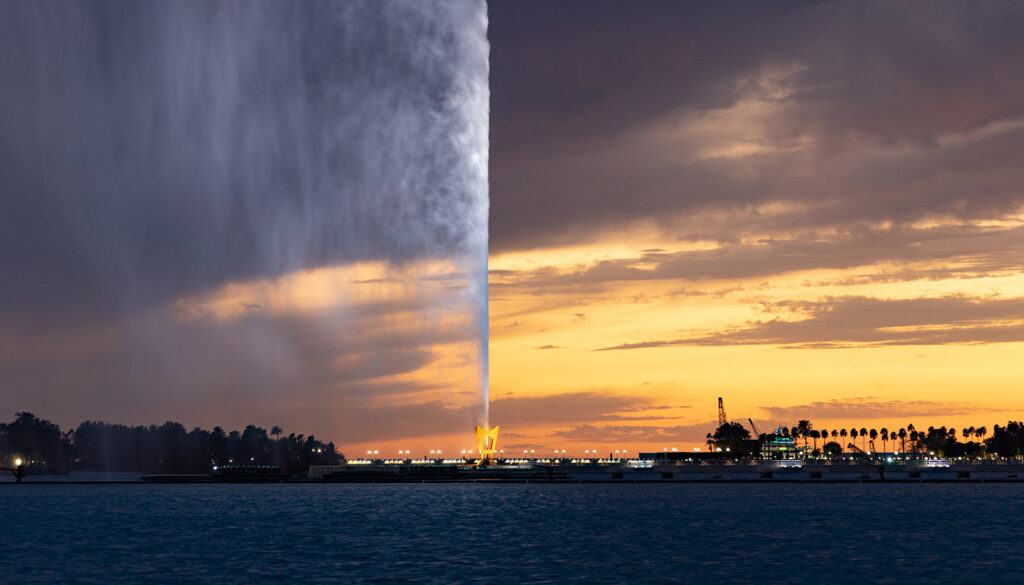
(753, 426)
(721, 412)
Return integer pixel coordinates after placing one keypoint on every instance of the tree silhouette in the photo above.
(38, 442)
(168, 448)
(734, 438)
(803, 429)
(832, 449)
(1007, 441)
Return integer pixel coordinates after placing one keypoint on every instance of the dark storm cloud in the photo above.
(857, 321)
(873, 92)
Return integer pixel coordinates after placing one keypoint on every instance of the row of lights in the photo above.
(470, 452)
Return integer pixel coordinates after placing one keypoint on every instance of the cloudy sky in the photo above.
(813, 210)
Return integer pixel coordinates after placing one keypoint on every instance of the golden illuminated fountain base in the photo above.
(486, 443)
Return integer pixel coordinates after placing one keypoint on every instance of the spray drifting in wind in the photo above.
(158, 151)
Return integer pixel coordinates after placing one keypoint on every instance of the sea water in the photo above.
(513, 533)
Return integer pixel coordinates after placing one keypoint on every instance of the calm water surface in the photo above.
(512, 533)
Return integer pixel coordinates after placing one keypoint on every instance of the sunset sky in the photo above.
(811, 209)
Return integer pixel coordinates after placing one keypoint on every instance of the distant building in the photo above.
(780, 447)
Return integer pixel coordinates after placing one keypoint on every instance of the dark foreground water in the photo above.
(512, 533)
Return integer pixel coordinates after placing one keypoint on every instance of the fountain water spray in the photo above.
(157, 151)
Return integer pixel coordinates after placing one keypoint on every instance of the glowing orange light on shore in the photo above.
(487, 442)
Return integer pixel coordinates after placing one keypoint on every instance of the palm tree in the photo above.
(804, 427)
(864, 438)
(873, 433)
(842, 433)
(885, 437)
(276, 432)
(980, 432)
(853, 436)
(815, 434)
(902, 434)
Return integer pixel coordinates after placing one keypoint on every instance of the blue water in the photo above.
(512, 533)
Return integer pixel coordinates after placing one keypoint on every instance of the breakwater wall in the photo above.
(911, 471)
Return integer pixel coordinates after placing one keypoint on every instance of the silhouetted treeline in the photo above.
(1005, 441)
(168, 448)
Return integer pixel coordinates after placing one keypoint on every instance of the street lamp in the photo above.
(19, 470)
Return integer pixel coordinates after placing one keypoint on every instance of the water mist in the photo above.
(159, 151)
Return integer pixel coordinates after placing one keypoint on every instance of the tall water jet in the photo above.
(204, 174)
